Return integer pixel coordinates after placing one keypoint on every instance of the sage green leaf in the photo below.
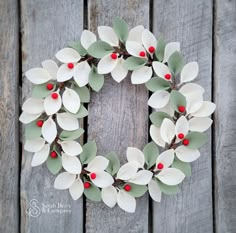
(177, 99)
(169, 190)
(32, 131)
(175, 62)
(54, 165)
(150, 152)
(133, 63)
(99, 49)
(78, 47)
(93, 193)
(71, 135)
(89, 152)
(196, 140)
(137, 190)
(157, 84)
(157, 118)
(121, 29)
(83, 93)
(184, 167)
(41, 91)
(114, 163)
(96, 81)
(159, 53)
(83, 112)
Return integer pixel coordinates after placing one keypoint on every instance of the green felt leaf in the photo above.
(169, 190)
(196, 140)
(89, 152)
(71, 135)
(177, 99)
(121, 29)
(151, 152)
(99, 49)
(157, 84)
(41, 91)
(96, 81)
(159, 53)
(133, 63)
(78, 47)
(83, 112)
(184, 167)
(157, 118)
(114, 163)
(93, 193)
(83, 93)
(32, 131)
(175, 62)
(54, 165)
(137, 190)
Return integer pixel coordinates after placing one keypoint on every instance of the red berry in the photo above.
(50, 86)
(151, 49)
(168, 76)
(54, 95)
(114, 56)
(70, 65)
(127, 187)
(87, 185)
(39, 123)
(142, 54)
(185, 142)
(180, 135)
(53, 154)
(93, 176)
(160, 166)
(181, 109)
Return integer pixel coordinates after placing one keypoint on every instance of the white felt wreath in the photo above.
(52, 116)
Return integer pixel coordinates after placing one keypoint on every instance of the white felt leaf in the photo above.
(68, 55)
(51, 67)
(148, 39)
(71, 164)
(49, 130)
(99, 163)
(51, 105)
(71, 100)
(87, 38)
(159, 99)
(141, 75)
(191, 89)
(64, 181)
(128, 170)
(160, 69)
(171, 176)
(33, 106)
(67, 122)
(170, 49)
(200, 124)
(134, 48)
(186, 155)
(109, 196)
(41, 156)
(64, 73)
(167, 109)
(108, 35)
(106, 64)
(142, 177)
(134, 154)
(126, 202)
(181, 126)
(167, 130)
(206, 109)
(119, 72)
(156, 136)
(166, 158)
(38, 75)
(77, 189)
(71, 148)
(26, 118)
(154, 191)
(34, 145)
(81, 75)
(189, 72)
(134, 34)
(103, 179)
(194, 103)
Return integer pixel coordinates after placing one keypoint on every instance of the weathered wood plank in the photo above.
(225, 127)
(118, 118)
(47, 26)
(190, 23)
(9, 130)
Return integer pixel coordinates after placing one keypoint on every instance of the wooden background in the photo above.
(34, 30)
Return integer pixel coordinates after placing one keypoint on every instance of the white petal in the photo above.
(134, 154)
(167, 130)
(51, 67)
(141, 75)
(64, 73)
(167, 109)
(142, 177)
(159, 99)
(33, 106)
(34, 145)
(119, 72)
(51, 105)
(108, 35)
(171, 176)
(191, 89)
(189, 72)
(77, 189)
(71, 100)
(40, 156)
(170, 49)
(160, 69)
(71, 164)
(99, 163)
(126, 202)
(181, 126)
(26, 118)
(64, 180)
(186, 155)
(38, 75)
(81, 75)
(200, 124)
(103, 179)
(49, 130)
(67, 122)
(107, 64)
(128, 170)
(166, 158)
(154, 191)
(148, 39)
(71, 148)
(206, 109)
(156, 136)
(109, 196)
(87, 38)
(134, 48)
(68, 55)
(134, 34)
(194, 103)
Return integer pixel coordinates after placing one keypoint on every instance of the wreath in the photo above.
(61, 93)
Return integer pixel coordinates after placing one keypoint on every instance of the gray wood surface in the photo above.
(118, 118)
(9, 130)
(190, 23)
(225, 127)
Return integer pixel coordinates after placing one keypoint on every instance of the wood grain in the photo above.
(225, 127)
(190, 23)
(118, 118)
(47, 27)
(9, 110)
